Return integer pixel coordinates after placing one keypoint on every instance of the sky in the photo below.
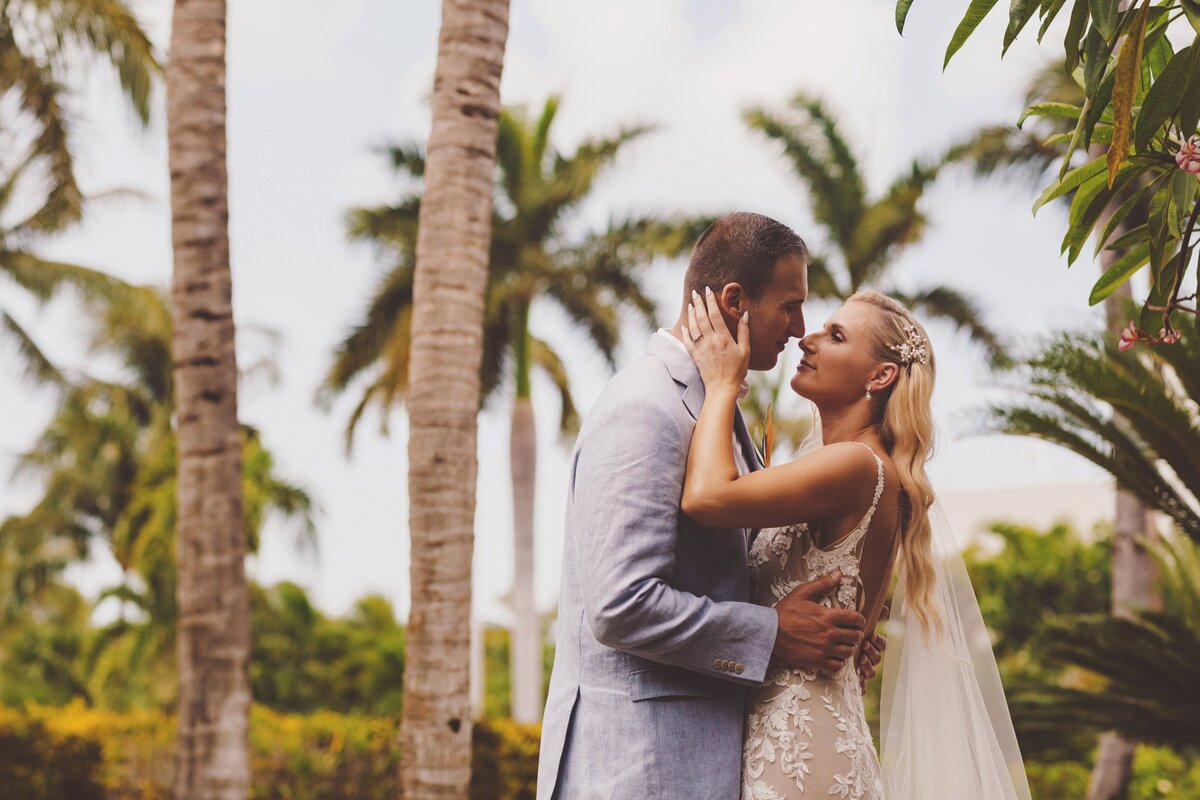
(314, 86)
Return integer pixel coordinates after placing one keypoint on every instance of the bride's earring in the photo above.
(868, 391)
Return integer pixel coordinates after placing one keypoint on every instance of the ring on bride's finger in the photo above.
(696, 335)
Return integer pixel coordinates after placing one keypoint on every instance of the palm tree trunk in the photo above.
(1133, 575)
(526, 651)
(211, 754)
(447, 348)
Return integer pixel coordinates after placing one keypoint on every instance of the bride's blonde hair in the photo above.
(905, 421)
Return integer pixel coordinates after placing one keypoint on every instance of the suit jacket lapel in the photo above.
(685, 372)
(681, 369)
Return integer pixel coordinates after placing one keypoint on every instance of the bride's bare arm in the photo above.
(828, 482)
(825, 483)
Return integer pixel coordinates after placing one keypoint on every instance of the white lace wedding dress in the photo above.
(806, 735)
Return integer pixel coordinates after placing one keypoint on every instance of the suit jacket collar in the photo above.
(683, 371)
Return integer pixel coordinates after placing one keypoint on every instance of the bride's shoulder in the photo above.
(842, 465)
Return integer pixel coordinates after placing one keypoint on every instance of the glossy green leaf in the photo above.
(1071, 180)
(1019, 14)
(1048, 17)
(1052, 110)
(1099, 109)
(1189, 105)
(1192, 10)
(970, 21)
(902, 8)
(1075, 29)
(1163, 99)
(1158, 53)
(1106, 15)
(1124, 268)
(1183, 192)
(1095, 61)
(1088, 206)
(1128, 239)
(1135, 197)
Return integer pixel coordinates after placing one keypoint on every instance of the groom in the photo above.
(656, 637)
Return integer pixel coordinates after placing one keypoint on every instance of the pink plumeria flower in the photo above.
(1168, 337)
(1129, 337)
(1188, 157)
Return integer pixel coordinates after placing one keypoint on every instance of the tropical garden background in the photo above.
(267, 531)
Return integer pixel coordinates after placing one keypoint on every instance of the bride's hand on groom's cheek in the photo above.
(722, 360)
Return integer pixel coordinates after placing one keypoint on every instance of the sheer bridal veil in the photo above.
(945, 730)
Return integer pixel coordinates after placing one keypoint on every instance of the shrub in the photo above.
(76, 753)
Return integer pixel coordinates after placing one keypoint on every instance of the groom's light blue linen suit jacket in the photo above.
(656, 638)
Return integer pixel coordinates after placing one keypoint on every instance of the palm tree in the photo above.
(107, 464)
(40, 48)
(446, 345)
(592, 280)
(1132, 414)
(212, 752)
(864, 235)
(1030, 153)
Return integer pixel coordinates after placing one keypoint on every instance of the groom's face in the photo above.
(778, 315)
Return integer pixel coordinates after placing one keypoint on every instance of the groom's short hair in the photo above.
(744, 248)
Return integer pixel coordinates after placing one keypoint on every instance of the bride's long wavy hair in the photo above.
(905, 421)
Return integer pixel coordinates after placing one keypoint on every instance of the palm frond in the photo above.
(367, 341)
(1150, 668)
(835, 200)
(515, 164)
(38, 367)
(821, 280)
(41, 277)
(943, 302)
(837, 147)
(541, 132)
(407, 158)
(591, 313)
(1073, 388)
(572, 178)
(1179, 576)
(1007, 153)
(549, 361)
(108, 28)
(40, 96)
(389, 227)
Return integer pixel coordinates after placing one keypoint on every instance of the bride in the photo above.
(860, 504)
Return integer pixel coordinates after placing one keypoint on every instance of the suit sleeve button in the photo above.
(716, 663)
(739, 668)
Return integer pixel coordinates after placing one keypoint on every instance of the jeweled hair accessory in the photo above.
(913, 349)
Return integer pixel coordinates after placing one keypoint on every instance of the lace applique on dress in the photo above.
(806, 730)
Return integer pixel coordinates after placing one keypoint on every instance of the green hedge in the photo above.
(76, 753)
(39, 763)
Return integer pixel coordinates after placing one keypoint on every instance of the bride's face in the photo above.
(838, 361)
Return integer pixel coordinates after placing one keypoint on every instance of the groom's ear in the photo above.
(733, 300)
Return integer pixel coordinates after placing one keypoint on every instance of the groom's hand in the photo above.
(812, 636)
